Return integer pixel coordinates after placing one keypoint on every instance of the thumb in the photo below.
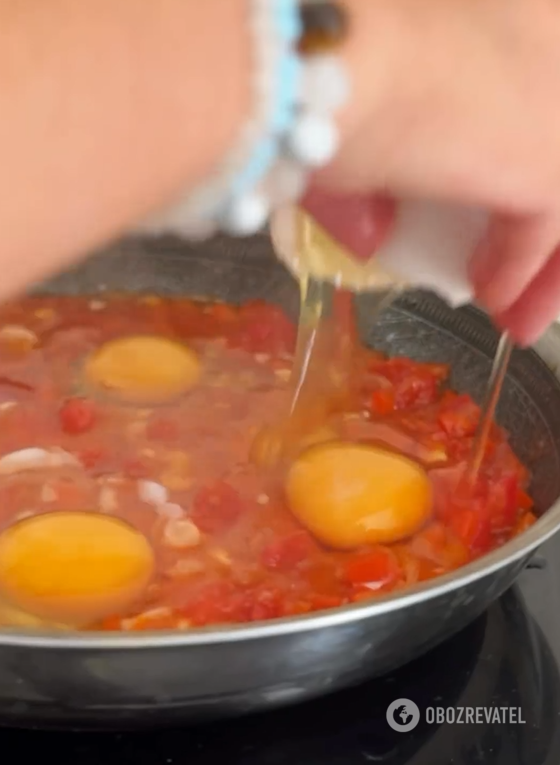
(359, 223)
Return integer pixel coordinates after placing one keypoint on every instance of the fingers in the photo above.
(515, 271)
(537, 307)
(358, 223)
(514, 251)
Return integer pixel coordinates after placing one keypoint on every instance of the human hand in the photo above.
(458, 100)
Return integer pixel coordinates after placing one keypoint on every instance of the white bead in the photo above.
(247, 215)
(314, 140)
(286, 183)
(325, 85)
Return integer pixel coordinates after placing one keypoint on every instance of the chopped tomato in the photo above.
(459, 416)
(215, 603)
(503, 504)
(261, 604)
(379, 566)
(90, 457)
(216, 507)
(287, 552)
(264, 328)
(415, 384)
(77, 415)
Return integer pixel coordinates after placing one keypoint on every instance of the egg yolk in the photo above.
(143, 368)
(73, 567)
(348, 495)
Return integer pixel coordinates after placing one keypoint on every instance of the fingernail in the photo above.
(359, 224)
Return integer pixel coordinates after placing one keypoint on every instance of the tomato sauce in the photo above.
(227, 548)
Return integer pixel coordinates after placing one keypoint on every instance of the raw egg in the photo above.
(143, 368)
(73, 567)
(348, 495)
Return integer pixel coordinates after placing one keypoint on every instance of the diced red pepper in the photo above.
(321, 602)
(379, 566)
(473, 527)
(524, 522)
(382, 401)
(77, 415)
(285, 553)
(216, 507)
(224, 313)
(524, 501)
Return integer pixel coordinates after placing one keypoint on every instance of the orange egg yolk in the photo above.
(348, 495)
(73, 567)
(143, 368)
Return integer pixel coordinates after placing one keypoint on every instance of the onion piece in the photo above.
(108, 499)
(373, 586)
(18, 333)
(35, 458)
(181, 533)
(152, 493)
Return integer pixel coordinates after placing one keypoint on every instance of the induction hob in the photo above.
(508, 660)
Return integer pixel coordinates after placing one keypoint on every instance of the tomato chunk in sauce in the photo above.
(145, 409)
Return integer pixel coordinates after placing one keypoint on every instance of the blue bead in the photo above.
(288, 75)
(262, 159)
(288, 21)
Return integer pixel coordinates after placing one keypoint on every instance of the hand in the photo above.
(458, 100)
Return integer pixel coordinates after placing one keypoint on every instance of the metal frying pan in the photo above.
(124, 680)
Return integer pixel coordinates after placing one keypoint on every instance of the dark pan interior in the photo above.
(418, 325)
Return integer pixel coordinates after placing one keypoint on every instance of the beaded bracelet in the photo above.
(298, 84)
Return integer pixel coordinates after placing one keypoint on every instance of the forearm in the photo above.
(109, 109)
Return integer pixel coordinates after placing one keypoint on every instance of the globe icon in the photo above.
(403, 715)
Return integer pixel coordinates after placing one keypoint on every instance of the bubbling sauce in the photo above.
(129, 494)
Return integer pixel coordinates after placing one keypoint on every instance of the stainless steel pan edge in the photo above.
(123, 681)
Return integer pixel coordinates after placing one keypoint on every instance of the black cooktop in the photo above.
(499, 679)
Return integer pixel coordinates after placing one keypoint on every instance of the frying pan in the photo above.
(121, 681)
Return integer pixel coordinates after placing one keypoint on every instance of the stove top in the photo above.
(497, 682)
